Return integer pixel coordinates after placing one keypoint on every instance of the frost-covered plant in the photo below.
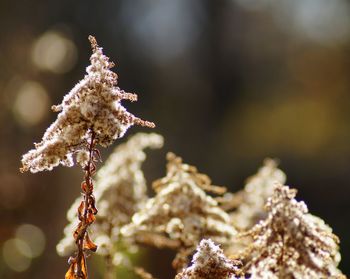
(181, 213)
(90, 115)
(92, 109)
(210, 262)
(291, 243)
(249, 203)
(120, 191)
(247, 206)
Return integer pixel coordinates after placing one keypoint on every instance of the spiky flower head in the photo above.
(291, 243)
(210, 262)
(93, 106)
(248, 204)
(181, 213)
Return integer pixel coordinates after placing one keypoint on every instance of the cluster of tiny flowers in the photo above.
(93, 106)
(120, 191)
(291, 243)
(181, 212)
(253, 197)
(210, 262)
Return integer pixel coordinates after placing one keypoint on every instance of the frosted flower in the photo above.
(210, 262)
(93, 106)
(253, 197)
(120, 191)
(180, 214)
(291, 243)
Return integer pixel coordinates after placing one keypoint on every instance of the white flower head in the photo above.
(181, 213)
(210, 262)
(255, 194)
(93, 106)
(290, 242)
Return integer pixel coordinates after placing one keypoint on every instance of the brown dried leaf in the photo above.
(70, 272)
(84, 274)
(84, 186)
(73, 272)
(81, 211)
(79, 231)
(92, 205)
(90, 217)
(88, 244)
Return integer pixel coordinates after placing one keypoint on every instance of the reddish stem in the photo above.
(86, 217)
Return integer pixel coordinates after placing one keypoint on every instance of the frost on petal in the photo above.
(92, 106)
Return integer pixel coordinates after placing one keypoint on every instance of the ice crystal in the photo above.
(120, 190)
(92, 106)
(181, 213)
(290, 242)
(210, 262)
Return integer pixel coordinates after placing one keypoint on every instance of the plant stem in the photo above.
(81, 271)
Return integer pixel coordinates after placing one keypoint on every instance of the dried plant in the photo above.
(248, 204)
(290, 242)
(181, 213)
(92, 109)
(90, 115)
(120, 191)
(210, 262)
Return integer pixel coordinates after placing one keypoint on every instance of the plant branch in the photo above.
(86, 215)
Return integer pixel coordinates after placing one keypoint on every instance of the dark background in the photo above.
(228, 83)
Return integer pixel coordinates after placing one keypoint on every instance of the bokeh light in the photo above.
(54, 52)
(33, 237)
(31, 104)
(14, 252)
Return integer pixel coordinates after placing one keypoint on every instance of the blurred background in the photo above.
(228, 83)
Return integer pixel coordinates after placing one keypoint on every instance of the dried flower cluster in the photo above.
(210, 262)
(276, 241)
(290, 243)
(247, 206)
(91, 107)
(90, 115)
(120, 191)
(249, 203)
(121, 188)
(181, 213)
